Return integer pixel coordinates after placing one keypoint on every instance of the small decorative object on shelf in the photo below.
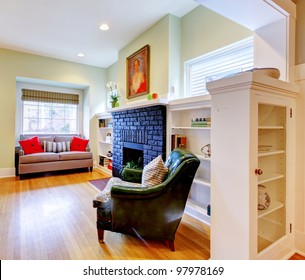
(201, 122)
(108, 137)
(206, 150)
(109, 154)
(102, 123)
(263, 199)
(154, 95)
(209, 209)
(114, 97)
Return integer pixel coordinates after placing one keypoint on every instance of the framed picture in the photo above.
(137, 71)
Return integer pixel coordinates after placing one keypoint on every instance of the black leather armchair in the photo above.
(154, 212)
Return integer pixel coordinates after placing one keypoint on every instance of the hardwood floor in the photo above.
(297, 257)
(51, 217)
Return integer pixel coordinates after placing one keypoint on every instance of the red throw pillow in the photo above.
(31, 145)
(79, 144)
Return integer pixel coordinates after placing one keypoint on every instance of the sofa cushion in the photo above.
(39, 157)
(31, 145)
(56, 147)
(73, 155)
(49, 146)
(62, 138)
(42, 139)
(78, 144)
(154, 172)
(63, 146)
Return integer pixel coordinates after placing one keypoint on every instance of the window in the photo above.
(229, 60)
(50, 113)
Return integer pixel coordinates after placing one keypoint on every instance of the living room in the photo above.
(166, 74)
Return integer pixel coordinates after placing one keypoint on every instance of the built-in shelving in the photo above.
(191, 128)
(105, 131)
(182, 114)
(275, 205)
(269, 176)
(253, 135)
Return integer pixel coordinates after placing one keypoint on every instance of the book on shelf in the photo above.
(109, 165)
(178, 141)
(202, 122)
(102, 123)
(104, 161)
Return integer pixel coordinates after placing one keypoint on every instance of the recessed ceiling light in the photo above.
(81, 54)
(104, 26)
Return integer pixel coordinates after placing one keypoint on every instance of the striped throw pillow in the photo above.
(49, 146)
(56, 147)
(62, 146)
(154, 172)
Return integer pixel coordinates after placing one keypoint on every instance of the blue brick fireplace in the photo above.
(142, 129)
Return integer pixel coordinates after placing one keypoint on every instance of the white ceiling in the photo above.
(252, 14)
(62, 28)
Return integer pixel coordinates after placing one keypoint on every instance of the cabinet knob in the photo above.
(258, 171)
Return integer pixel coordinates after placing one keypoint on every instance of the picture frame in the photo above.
(137, 73)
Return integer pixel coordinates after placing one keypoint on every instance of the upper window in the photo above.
(48, 112)
(229, 60)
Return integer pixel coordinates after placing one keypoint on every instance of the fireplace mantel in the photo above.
(139, 104)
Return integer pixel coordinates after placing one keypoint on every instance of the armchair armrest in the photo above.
(136, 192)
(131, 175)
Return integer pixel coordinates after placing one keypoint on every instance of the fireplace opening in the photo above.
(133, 155)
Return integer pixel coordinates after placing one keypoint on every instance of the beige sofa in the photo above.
(53, 161)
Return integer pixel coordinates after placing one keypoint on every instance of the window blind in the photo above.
(48, 96)
(215, 65)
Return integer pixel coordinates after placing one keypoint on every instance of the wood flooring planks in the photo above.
(52, 218)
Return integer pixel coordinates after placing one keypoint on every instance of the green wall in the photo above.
(158, 38)
(204, 31)
(16, 64)
(172, 41)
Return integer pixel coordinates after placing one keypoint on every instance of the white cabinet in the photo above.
(197, 135)
(273, 204)
(253, 148)
(105, 140)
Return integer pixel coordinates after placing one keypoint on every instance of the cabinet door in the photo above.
(274, 180)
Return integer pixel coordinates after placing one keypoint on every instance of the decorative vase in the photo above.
(113, 103)
(263, 199)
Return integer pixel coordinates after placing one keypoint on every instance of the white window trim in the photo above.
(19, 104)
(51, 133)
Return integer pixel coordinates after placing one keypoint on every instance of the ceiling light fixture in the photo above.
(81, 54)
(104, 26)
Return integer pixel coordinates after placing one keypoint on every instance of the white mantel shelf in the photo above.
(139, 104)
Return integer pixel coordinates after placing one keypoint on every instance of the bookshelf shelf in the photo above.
(187, 131)
(104, 142)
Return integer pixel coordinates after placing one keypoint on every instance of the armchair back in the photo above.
(153, 212)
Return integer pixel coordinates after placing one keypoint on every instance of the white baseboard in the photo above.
(7, 172)
(300, 242)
